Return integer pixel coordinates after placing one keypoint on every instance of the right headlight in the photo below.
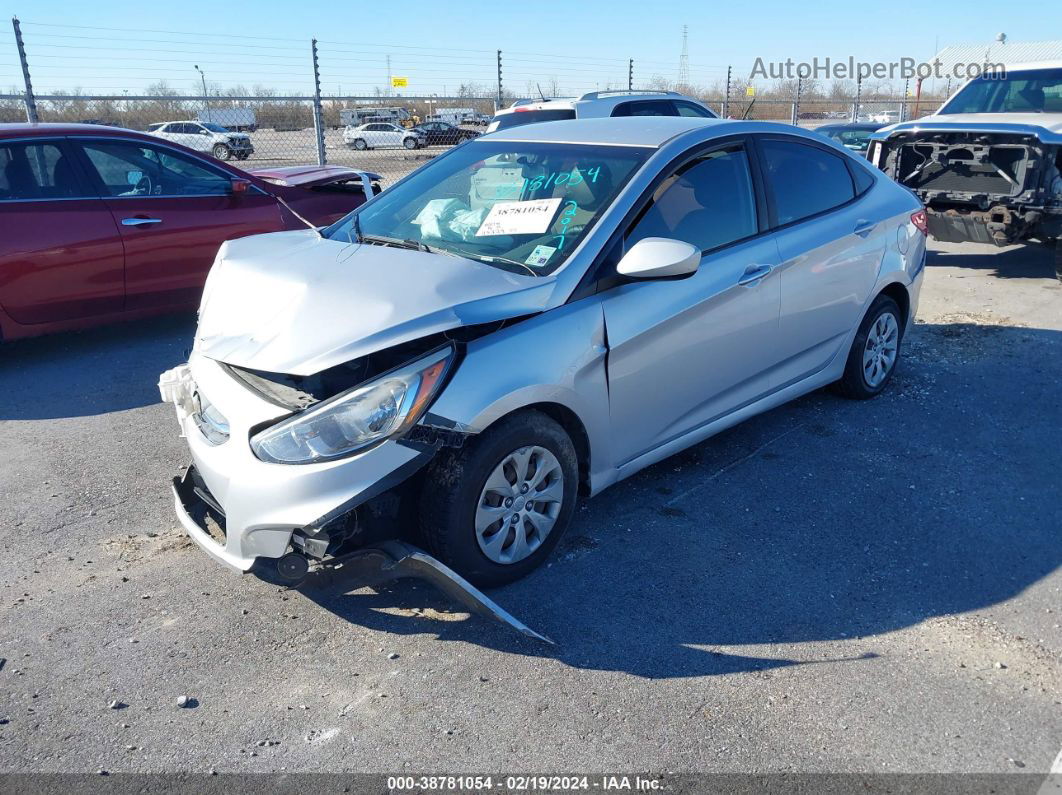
(384, 407)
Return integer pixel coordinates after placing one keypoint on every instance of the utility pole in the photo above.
(31, 103)
(630, 75)
(318, 121)
(726, 99)
(389, 75)
(500, 102)
(206, 101)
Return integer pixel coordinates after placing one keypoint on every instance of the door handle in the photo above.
(863, 226)
(753, 273)
(140, 221)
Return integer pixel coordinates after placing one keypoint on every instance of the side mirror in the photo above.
(659, 257)
(239, 186)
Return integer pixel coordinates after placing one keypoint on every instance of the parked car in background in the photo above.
(381, 135)
(854, 136)
(205, 137)
(988, 163)
(353, 117)
(600, 103)
(439, 133)
(102, 224)
(233, 119)
(537, 314)
(884, 117)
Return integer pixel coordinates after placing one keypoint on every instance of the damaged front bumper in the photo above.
(261, 505)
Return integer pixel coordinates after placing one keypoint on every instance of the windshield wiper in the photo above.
(395, 242)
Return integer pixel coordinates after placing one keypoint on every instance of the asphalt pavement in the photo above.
(833, 586)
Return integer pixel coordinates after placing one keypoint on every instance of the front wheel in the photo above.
(410, 143)
(494, 509)
(222, 152)
(360, 145)
(875, 351)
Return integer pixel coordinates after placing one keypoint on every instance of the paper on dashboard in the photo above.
(519, 218)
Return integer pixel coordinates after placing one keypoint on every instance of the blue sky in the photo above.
(438, 45)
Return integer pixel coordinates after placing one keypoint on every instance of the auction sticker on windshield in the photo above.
(519, 218)
(540, 256)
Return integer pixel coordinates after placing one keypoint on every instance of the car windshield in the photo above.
(213, 127)
(1031, 91)
(519, 206)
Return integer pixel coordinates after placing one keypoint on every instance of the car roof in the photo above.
(21, 129)
(855, 125)
(649, 131)
(612, 98)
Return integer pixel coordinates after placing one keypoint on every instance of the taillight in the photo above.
(919, 220)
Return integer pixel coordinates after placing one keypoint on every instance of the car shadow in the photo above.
(824, 521)
(97, 371)
(1014, 262)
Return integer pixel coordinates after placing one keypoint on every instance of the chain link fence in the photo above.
(256, 132)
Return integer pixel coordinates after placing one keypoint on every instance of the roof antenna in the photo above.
(540, 92)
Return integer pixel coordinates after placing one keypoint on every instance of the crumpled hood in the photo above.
(292, 302)
(1046, 126)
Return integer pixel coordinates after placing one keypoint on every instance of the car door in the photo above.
(61, 255)
(173, 210)
(197, 137)
(831, 246)
(180, 133)
(392, 135)
(683, 352)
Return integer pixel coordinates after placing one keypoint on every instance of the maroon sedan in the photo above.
(100, 224)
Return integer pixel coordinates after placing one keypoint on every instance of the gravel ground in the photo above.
(833, 586)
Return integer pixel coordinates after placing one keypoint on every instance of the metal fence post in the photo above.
(726, 99)
(500, 102)
(318, 120)
(796, 102)
(630, 75)
(31, 102)
(859, 91)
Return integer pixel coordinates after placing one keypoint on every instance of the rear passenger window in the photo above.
(690, 109)
(707, 203)
(648, 107)
(806, 180)
(863, 180)
(37, 171)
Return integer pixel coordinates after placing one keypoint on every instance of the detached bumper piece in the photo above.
(203, 519)
(394, 560)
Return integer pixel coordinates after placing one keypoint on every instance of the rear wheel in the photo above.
(222, 152)
(875, 351)
(495, 509)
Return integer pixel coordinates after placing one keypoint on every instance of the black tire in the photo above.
(360, 144)
(410, 143)
(243, 155)
(222, 152)
(454, 482)
(853, 384)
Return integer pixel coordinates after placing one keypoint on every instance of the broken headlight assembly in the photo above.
(385, 407)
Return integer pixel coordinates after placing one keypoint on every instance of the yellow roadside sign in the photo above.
(399, 82)
(750, 91)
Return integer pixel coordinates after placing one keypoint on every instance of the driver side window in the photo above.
(127, 168)
(708, 203)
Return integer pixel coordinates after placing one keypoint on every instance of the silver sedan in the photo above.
(531, 317)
